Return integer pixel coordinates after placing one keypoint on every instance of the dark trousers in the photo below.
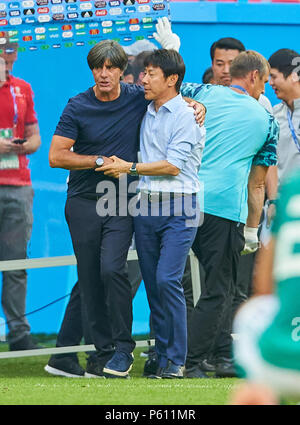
(101, 246)
(217, 246)
(244, 281)
(163, 243)
(244, 285)
(75, 325)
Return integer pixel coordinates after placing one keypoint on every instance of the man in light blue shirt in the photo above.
(163, 137)
(171, 150)
(240, 146)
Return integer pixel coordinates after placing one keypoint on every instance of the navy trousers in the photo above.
(101, 246)
(74, 326)
(163, 243)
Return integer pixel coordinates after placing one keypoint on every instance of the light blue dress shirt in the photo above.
(172, 134)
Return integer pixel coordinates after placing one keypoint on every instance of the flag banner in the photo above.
(47, 24)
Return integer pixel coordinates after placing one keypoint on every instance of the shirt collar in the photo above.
(296, 103)
(171, 105)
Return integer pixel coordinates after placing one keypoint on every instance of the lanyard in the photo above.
(292, 129)
(236, 86)
(15, 119)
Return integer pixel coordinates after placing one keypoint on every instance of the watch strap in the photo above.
(133, 170)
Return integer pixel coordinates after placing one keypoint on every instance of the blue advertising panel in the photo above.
(46, 24)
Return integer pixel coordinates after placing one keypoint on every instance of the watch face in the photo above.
(99, 161)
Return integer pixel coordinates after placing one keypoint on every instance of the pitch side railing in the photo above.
(70, 260)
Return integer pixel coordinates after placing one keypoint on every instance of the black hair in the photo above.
(207, 76)
(107, 50)
(138, 63)
(226, 43)
(169, 61)
(128, 70)
(285, 61)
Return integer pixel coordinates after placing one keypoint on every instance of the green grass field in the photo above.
(23, 381)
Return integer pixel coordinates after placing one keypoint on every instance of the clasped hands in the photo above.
(114, 166)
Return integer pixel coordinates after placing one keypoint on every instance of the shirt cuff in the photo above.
(176, 162)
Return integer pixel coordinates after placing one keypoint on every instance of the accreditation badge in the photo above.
(10, 160)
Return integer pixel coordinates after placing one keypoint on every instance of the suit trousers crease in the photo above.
(163, 243)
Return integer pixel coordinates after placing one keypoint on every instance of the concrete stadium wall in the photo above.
(59, 74)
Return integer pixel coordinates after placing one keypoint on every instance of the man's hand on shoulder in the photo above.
(200, 111)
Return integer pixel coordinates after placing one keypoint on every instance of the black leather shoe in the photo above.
(172, 371)
(225, 368)
(151, 365)
(158, 374)
(195, 372)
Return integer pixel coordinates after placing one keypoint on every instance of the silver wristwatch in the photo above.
(99, 161)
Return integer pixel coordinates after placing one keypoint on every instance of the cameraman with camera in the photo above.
(19, 136)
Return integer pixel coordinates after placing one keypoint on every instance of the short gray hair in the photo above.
(248, 61)
(107, 50)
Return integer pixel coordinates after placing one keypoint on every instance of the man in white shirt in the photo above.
(286, 84)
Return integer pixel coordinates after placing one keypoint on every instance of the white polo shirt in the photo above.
(288, 154)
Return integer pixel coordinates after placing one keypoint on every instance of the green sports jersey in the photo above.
(280, 342)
